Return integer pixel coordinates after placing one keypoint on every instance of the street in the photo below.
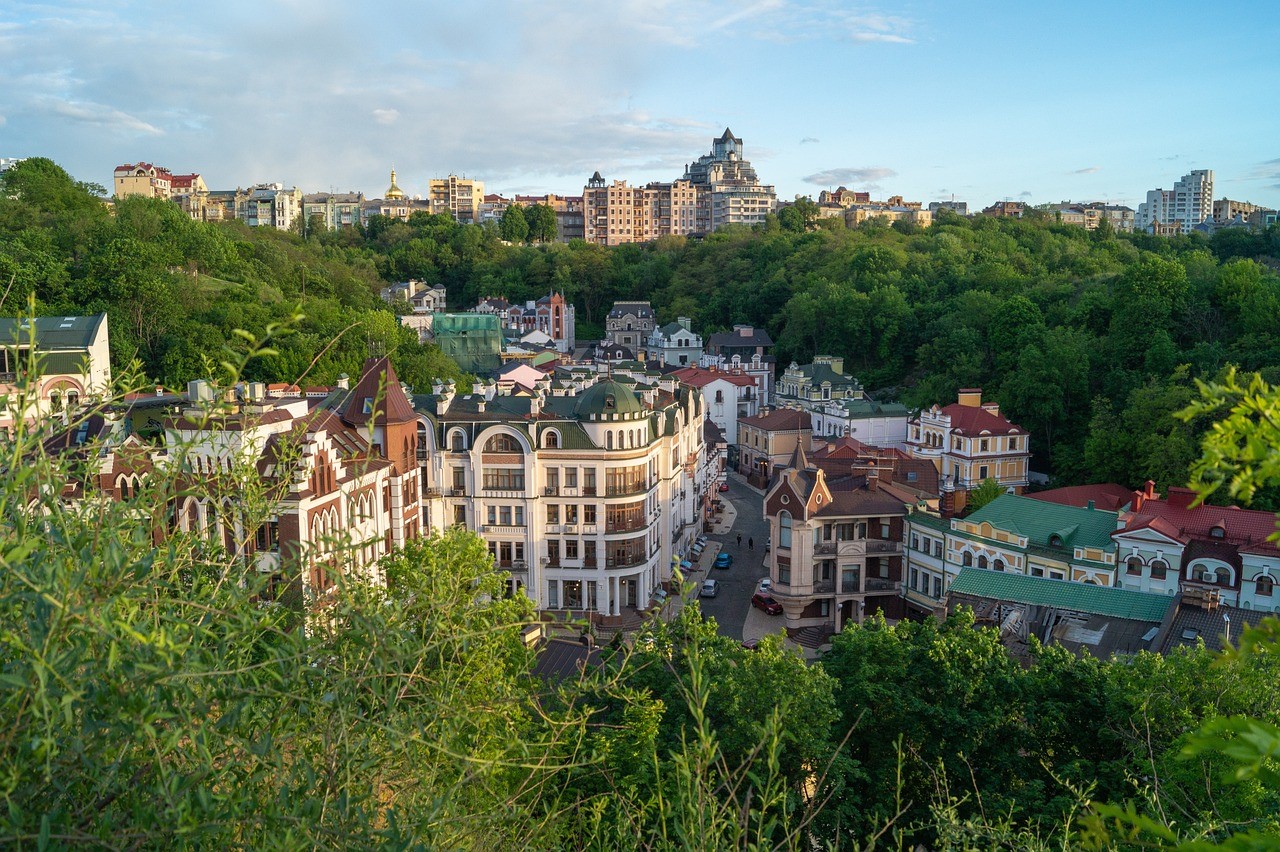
(732, 606)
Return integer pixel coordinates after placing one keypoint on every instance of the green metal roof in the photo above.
(1039, 521)
(1063, 594)
(60, 332)
(607, 397)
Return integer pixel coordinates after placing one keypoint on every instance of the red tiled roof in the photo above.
(380, 387)
(699, 377)
(972, 420)
(1106, 495)
(1247, 528)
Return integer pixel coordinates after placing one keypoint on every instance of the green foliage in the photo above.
(986, 491)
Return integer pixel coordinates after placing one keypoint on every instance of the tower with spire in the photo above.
(394, 192)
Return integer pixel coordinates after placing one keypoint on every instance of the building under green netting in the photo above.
(474, 341)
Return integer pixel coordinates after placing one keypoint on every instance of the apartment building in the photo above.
(615, 213)
(588, 490)
(960, 208)
(569, 213)
(1006, 209)
(733, 192)
(744, 348)
(333, 210)
(460, 196)
(269, 205)
(727, 396)
(968, 442)
(144, 179)
(836, 552)
(768, 440)
(1180, 209)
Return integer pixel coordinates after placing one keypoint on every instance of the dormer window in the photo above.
(1055, 540)
(1217, 532)
(610, 403)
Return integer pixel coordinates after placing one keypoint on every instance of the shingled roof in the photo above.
(378, 396)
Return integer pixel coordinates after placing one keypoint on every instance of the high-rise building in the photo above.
(460, 196)
(1180, 209)
(269, 204)
(615, 213)
(729, 191)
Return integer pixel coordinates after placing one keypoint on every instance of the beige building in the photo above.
(335, 210)
(66, 362)
(859, 213)
(969, 442)
(145, 179)
(269, 205)
(767, 441)
(460, 196)
(615, 213)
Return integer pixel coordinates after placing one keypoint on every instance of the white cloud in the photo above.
(101, 114)
(866, 175)
(386, 116)
(809, 140)
(888, 38)
(1087, 171)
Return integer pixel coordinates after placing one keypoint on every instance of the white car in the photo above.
(710, 588)
(765, 586)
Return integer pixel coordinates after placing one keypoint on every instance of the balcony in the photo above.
(883, 546)
(824, 587)
(431, 492)
(825, 548)
(589, 491)
(551, 491)
(502, 529)
(457, 492)
(877, 584)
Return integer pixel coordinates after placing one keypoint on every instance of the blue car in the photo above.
(723, 560)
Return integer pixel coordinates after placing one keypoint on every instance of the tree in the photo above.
(513, 227)
(542, 223)
(986, 491)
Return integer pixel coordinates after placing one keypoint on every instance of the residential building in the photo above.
(969, 442)
(1013, 534)
(842, 197)
(727, 397)
(824, 379)
(629, 324)
(473, 341)
(333, 210)
(492, 207)
(570, 223)
(1167, 546)
(1006, 209)
(1224, 209)
(423, 299)
(7, 163)
(857, 214)
(836, 553)
(768, 440)
(729, 192)
(1120, 216)
(747, 349)
(615, 213)
(588, 490)
(400, 207)
(145, 179)
(51, 367)
(269, 205)
(1189, 203)
(960, 208)
(674, 344)
(838, 404)
(460, 196)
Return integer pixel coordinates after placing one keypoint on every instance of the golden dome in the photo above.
(394, 192)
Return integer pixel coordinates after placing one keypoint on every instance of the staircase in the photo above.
(811, 637)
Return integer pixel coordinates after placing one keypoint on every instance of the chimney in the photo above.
(1090, 505)
(1181, 498)
(971, 397)
(873, 481)
(159, 390)
(344, 382)
(477, 388)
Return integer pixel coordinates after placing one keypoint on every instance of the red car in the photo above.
(724, 486)
(766, 603)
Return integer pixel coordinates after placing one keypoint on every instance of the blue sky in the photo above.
(983, 101)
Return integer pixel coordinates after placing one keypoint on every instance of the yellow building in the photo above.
(460, 196)
(145, 179)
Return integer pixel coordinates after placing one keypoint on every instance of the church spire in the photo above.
(394, 193)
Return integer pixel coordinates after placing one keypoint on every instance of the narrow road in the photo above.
(731, 606)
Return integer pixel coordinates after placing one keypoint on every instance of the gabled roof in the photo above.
(640, 309)
(1040, 522)
(1061, 594)
(378, 393)
(1245, 528)
(972, 420)
(758, 337)
(52, 333)
(1105, 495)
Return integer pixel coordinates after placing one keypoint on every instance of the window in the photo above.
(784, 529)
(493, 514)
(570, 514)
(937, 548)
(982, 562)
(1013, 443)
(589, 513)
(553, 514)
(457, 442)
(571, 548)
(1133, 566)
(502, 444)
(551, 440)
(1158, 569)
(998, 564)
(966, 559)
(1263, 586)
(1217, 532)
(1037, 572)
(982, 472)
(784, 573)
(937, 587)
(460, 515)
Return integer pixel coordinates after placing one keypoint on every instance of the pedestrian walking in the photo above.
(751, 544)
(739, 539)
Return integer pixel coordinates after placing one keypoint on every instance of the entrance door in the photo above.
(629, 592)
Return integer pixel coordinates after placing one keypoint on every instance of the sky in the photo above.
(977, 101)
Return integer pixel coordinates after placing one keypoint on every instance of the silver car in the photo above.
(710, 588)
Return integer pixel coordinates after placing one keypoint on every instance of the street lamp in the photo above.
(1226, 618)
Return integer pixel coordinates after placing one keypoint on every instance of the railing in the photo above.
(569, 529)
(824, 586)
(503, 529)
(431, 492)
(825, 548)
(551, 491)
(518, 565)
(457, 492)
(882, 546)
(627, 526)
(629, 561)
(881, 585)
(626, 490)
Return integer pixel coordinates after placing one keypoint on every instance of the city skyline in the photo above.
(926, 101)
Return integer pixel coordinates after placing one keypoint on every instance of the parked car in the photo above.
(724, 486)
(723, 560)
(710, 588)
(751, 644)
(764, 586)
(766, 603)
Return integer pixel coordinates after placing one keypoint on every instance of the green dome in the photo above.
(607, 397)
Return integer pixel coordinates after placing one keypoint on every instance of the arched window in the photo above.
(967, 559)
(457, 441)
(551, 439)
(1055, 540)
(608, 440)
(1158, 569)
(502, 444)
(1218, 532)
(982, 562)
(784, 529)
(1263, 586)
(998, 564)
(1133, 565)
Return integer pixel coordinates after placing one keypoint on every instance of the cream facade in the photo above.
(460, 196)
(71, 360)
(144, 179)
